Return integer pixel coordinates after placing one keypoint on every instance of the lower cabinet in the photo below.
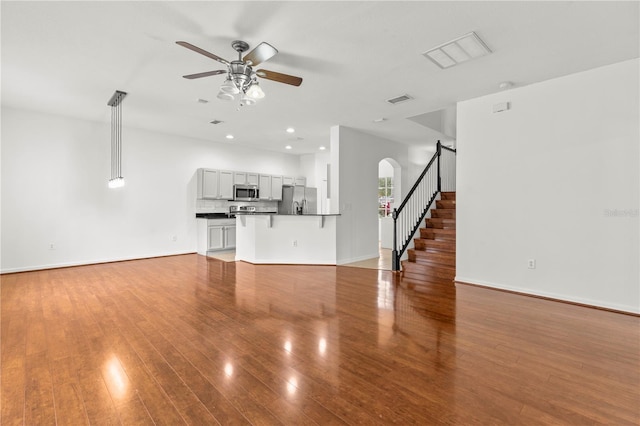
(216, 234)
(221, 237)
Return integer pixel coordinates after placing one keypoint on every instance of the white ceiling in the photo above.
(69, 57)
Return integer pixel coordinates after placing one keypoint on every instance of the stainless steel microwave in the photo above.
(245, 192)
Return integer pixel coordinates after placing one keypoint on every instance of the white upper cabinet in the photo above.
(215, 184)
(291, 181)
(252, 179)
(226, 185)
(265, 187)
(239, 178)
(276, 187)
(270, 187)
(288, 181)
(244, 178)
(208, 183)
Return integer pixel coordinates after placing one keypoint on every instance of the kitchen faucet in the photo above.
(295, 206)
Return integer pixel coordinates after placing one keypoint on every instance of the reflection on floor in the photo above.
(225, 256)
(382, 262)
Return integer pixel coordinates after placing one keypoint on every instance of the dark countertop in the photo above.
(232, 216)
(312, 214)
(214, 216)
(254, 213)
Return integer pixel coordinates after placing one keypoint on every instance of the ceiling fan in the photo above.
(241, 79)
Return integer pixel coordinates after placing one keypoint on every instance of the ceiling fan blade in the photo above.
(262, 52)
(205, 74)
(202, 52)
(279, 77)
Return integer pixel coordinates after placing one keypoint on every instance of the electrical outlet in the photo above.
(174, 238)
(52, 246)
(531, 264)
(295, 243)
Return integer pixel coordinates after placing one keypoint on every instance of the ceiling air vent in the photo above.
(456, 51)
(216, 122)
(399, 99)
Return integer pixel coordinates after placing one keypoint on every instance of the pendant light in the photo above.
(115, 103)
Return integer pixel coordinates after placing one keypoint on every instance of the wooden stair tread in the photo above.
(441, 223)
(446, 204)
(423, 244)
(422, 256)
(438, 234)
(443, 213)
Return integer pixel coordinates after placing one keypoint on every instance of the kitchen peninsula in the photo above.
(289, 239)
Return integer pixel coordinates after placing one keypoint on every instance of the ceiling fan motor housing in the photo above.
(240, 74)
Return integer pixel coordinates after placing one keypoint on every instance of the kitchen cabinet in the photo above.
(270, 187)
(276, 188)
(294, 181)
(215, 234)
(208, 183)
(245, 178)
(288, 180)
(221, 235)
(226, 185)
(215, 184)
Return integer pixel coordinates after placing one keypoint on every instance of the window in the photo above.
(385, 196)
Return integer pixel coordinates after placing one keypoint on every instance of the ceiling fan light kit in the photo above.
(229, 87)
(241, 83)
(255, 91)
(225, 96)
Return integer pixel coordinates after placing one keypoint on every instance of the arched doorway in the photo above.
(389, 196)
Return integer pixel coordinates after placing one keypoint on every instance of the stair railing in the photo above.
(439, 175)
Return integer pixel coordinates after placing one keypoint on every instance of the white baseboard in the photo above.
(555, 296)
(359, 258)
(86, 262)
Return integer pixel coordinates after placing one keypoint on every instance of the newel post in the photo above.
(395, 261)
(439, 152)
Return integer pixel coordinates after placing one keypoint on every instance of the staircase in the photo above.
(433, 258)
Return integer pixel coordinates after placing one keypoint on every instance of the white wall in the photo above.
(54, 190)
(540, 181)
(357, 183)
(419, 157)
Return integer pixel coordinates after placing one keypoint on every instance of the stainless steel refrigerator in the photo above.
(298, 200)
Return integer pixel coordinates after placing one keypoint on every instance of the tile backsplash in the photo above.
(222, 206)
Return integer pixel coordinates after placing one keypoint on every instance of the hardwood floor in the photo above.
(187, 339)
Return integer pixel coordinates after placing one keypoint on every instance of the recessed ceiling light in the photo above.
(379, 120)
(202, 101)
(229, 136)
(458, 50)
(322, 148)
(290, 130)
(288, 147)
(216, 122)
